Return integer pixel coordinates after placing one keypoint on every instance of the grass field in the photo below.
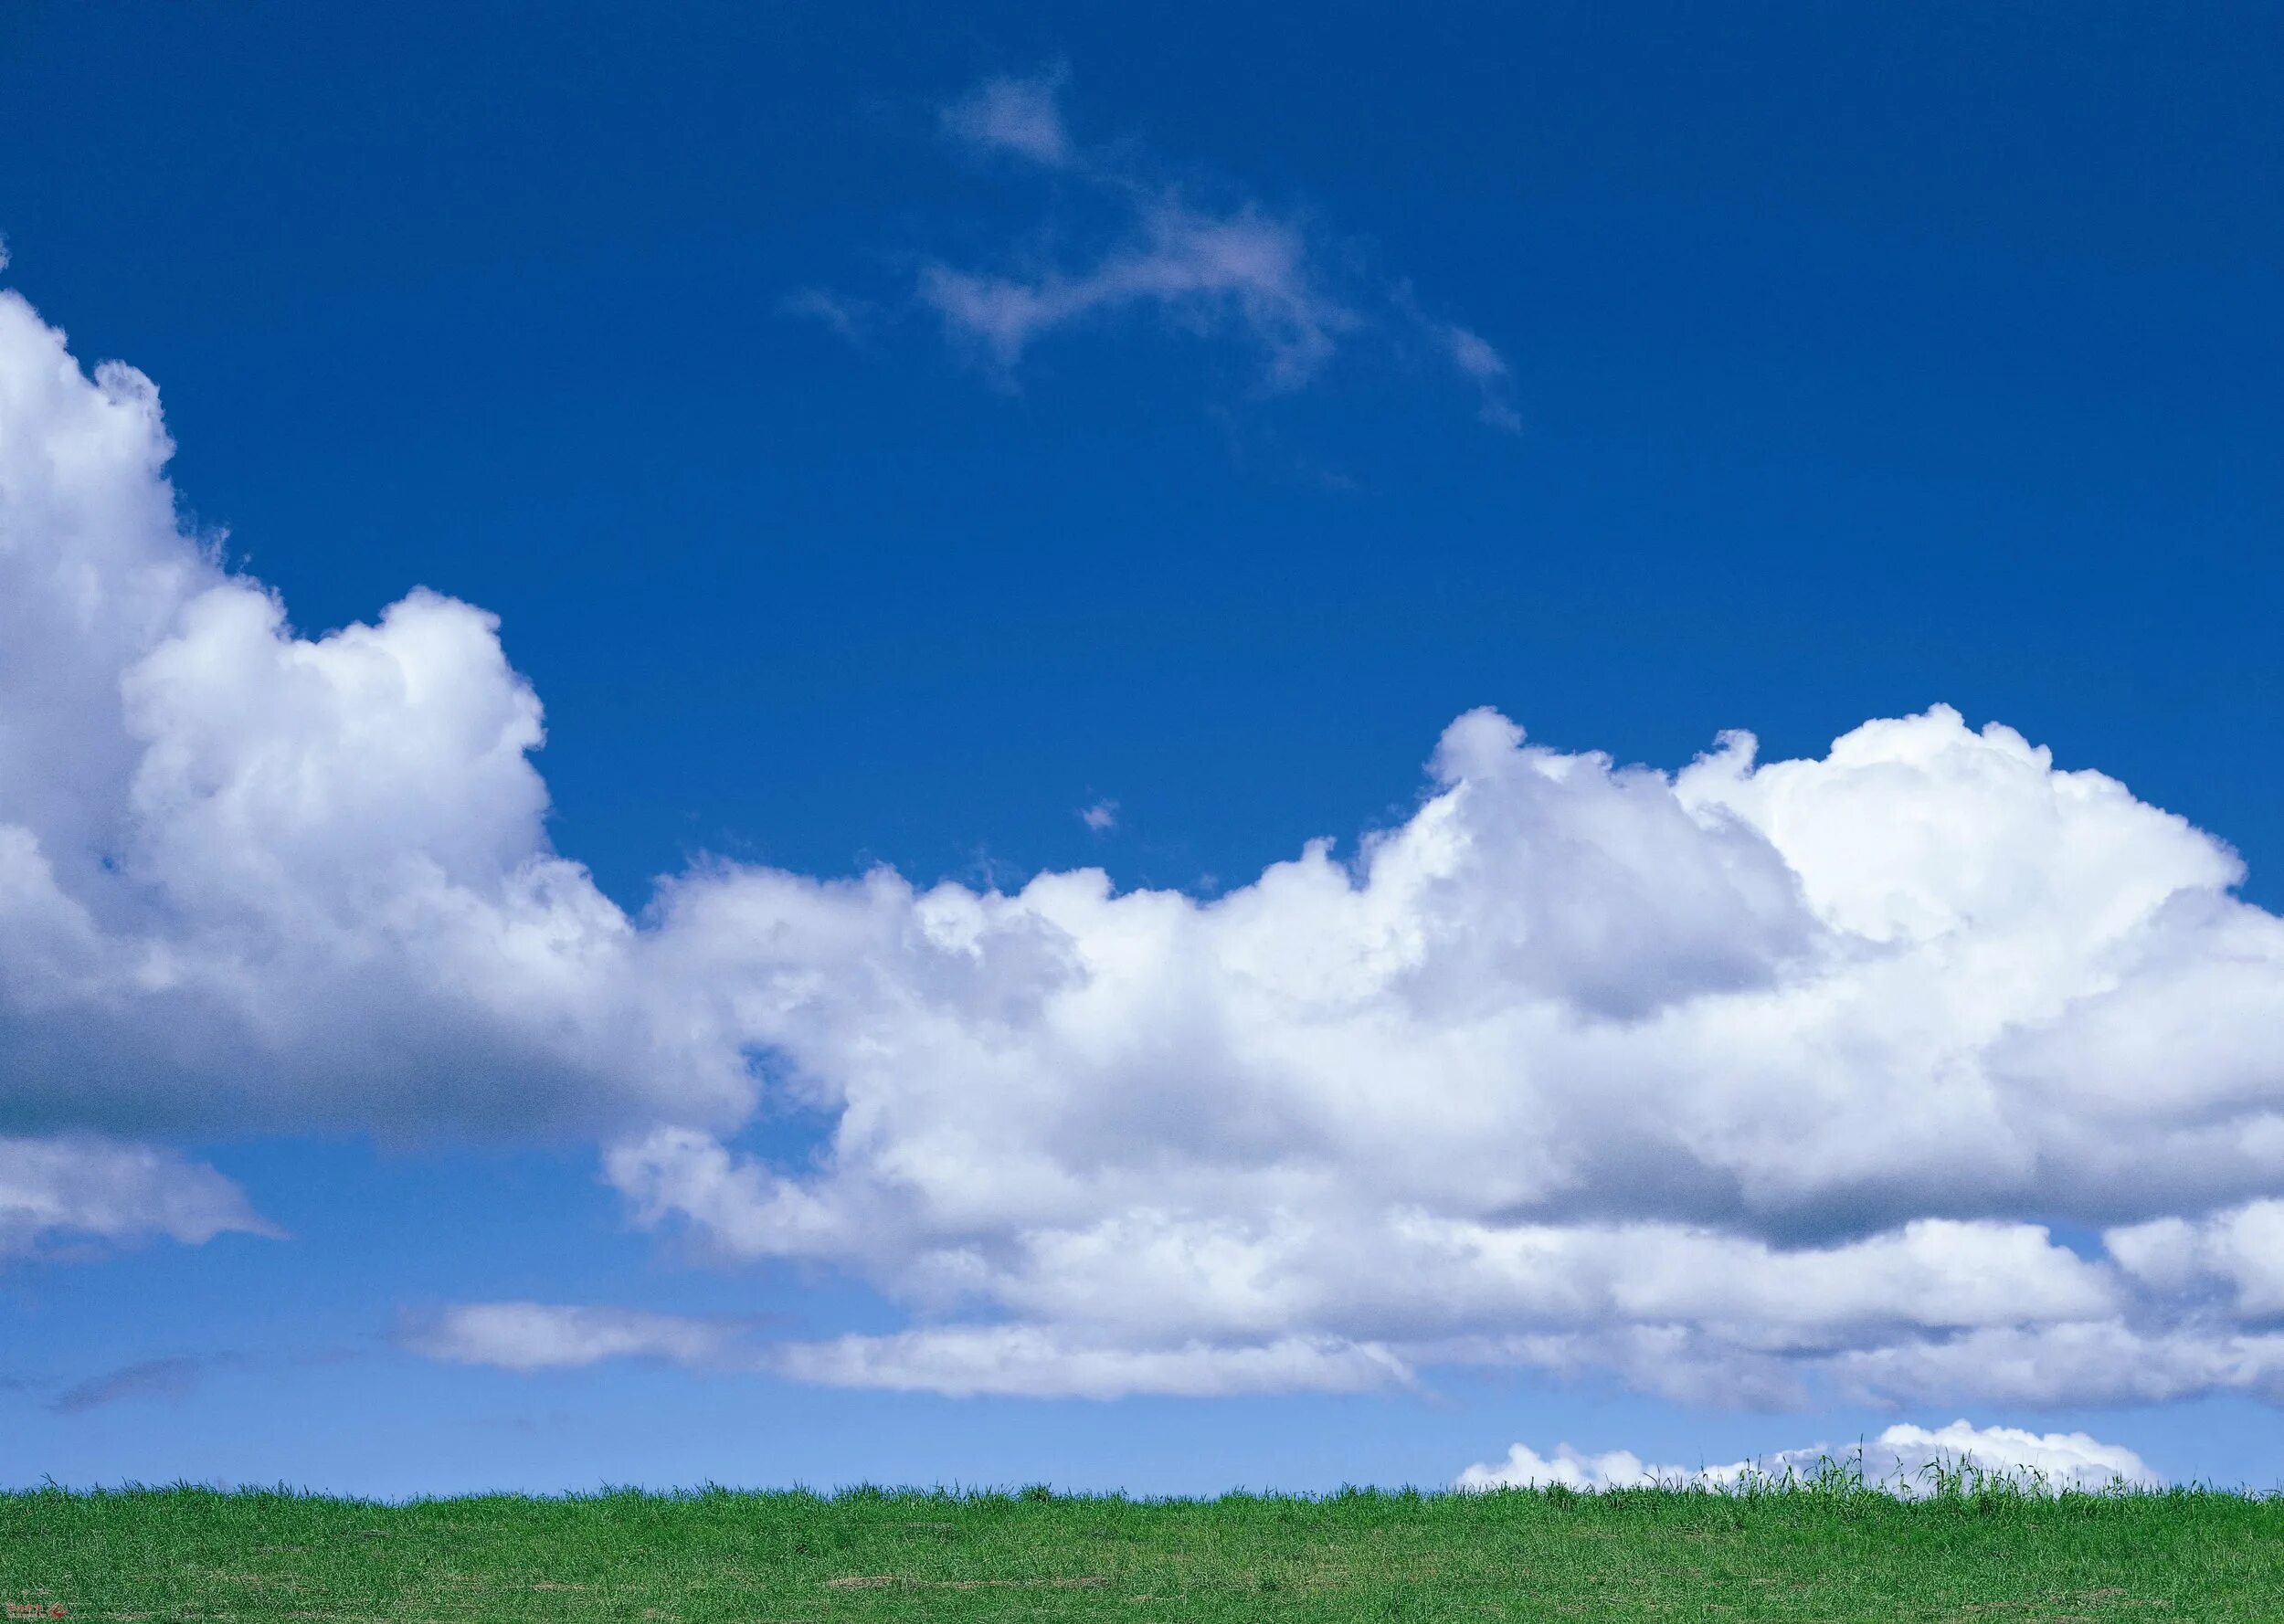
(865, 1554)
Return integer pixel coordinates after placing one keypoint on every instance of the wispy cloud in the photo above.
(1237, 272)
(1207, 262)
(1101, 816)
(1020, 116)
(173, 1378)
(1026, 1360)
(1468, 354)
(528, 1336)
(846, 317)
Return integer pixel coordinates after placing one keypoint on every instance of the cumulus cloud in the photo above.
(250, 878)
(1737, 1080)
(75, 1188)
(1745, 1081)
(1908, 1459)
(527, 1336)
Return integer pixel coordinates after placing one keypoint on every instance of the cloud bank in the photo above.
(1745, 1083)
(1905, 1459)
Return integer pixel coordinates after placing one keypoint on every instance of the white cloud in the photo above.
(1101, 816)
(2240, 1250)
(1744, 1082)
(1906, 1459)
(1016, 115)
(844, 317)
(1477, 360)
(1204, 271)
(962, 1361)
(1237, 268)
(76, 1187)
(1525, 1468)
(2144, 1357)
(250, 878)
(1470, 354)
(1752, 1063)
(527, 1336)
(1033, 1361)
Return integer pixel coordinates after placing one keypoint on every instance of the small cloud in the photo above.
(1101, 816)
(1477, 360)
(847, 318)
(1471, 355)
(1023, 116)
(79, 1186)
(1240, 272)
(171, 1379)
(1497, 414)
(528, 1336)
(1231, 268)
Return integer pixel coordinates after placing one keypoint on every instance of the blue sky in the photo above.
(884, 443)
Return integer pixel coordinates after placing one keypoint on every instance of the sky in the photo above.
(1151, 752)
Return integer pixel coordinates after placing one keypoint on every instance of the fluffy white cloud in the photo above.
(2239, 1251)
(1742, 1081)
(76, 1188)
(1525, 1468)
(548, 1336)
(250, 878)
(1735, 1079)
(1906, 1459)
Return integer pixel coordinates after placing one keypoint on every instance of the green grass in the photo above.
(1829, 1555)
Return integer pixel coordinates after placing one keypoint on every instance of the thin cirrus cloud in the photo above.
(1905, 1459)
(1744, 1083)
(1232, 268)
(173, 1378)
(1023, 116)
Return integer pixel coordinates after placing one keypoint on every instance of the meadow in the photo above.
(1830, 1554)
